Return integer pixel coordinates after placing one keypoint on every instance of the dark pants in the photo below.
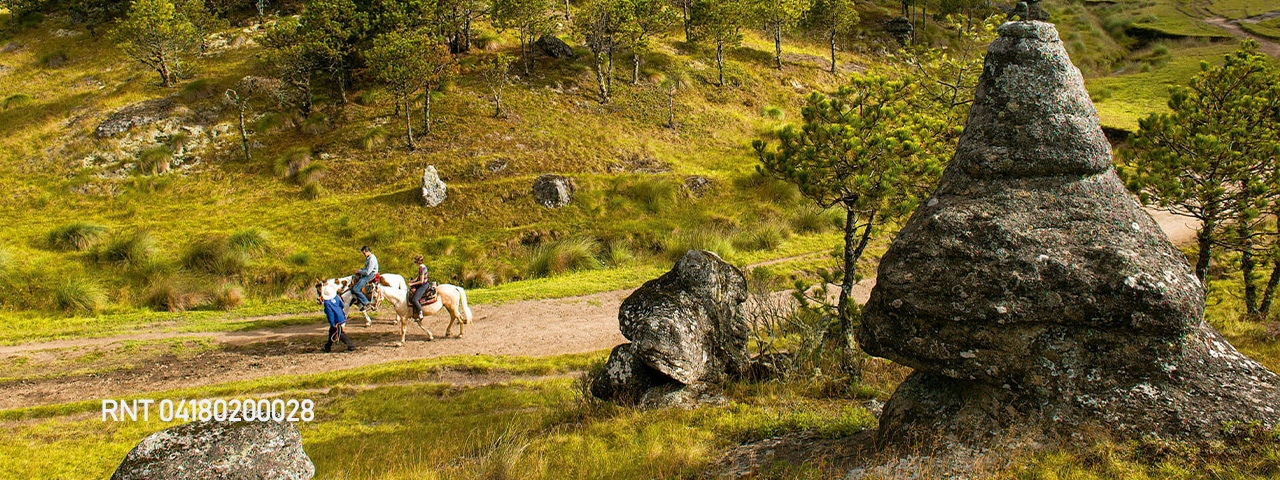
(357, 290)
(415, 297)
(336, 332)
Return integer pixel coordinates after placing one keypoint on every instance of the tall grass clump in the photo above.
(652, 194)
(136, 248)
(77, 294)
(679, 242)
(764, 237)
(78, 236)
(773, 112)
(228, 297)
(251, 241)
(813, 220)
(215, 254)
(488, 41)
(312, 191)
(155, 160)
(571, 254)
(198, 90)
(18, 100)
(374, 139)
(316, 124)
(768, 188)
(368, 97)
(271, 122)
(168, 294)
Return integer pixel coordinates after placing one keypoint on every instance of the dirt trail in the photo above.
(1265, 45)
(524, 328)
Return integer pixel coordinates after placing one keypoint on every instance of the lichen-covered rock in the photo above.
(231, 451)
(135, 115)
(625, 377)
(554, 47)
(1032, 290)
(688, 323)
(434, 190)
(553, 191)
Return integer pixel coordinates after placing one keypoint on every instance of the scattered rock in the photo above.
(1032, 292)
(900, 29)
(697, 185)
(202, 450)
(496, 165)
(10, 47)
(54, 60)
(135, 115)
(62, 33)
(434, 191)
(554, 47)
(688, 333)
(553, 191)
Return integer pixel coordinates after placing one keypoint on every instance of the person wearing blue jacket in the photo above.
(363, 276)
(335, 312)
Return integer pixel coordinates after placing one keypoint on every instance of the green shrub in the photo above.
(572, 254)
(18, 100)
(75, 236)
(488, 41)
(198, 90)
(137, 249)
(374, 139)
(77, 294)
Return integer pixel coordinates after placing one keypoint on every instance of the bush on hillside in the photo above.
(764, 237)
(137, 248)
(228, 297)
(813, 220)
(562, 256)
(77, 236)
(169, 295)
(679, 242)
(78, 294)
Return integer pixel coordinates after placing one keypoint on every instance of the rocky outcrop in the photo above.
(697, 185)
(553, 191)
(434, 190)
(900, 29)
(203, 450)
(687, 331)
(554, 47)
(135, 115)
(1032, 291)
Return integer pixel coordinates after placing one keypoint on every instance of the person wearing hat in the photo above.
(418, 287)
(327, 295)
(363, 276)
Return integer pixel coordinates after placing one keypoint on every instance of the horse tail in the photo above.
(466, 309)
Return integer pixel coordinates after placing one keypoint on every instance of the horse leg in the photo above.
(367, 321)
(402, 333)
(430, 337)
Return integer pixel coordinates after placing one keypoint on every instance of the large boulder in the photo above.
(554, 47)
(553, 191)
(625, 376)
(688, 323)
(434, 191)
(1031, 290)
(224, 450)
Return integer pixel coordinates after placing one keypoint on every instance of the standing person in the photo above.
(418, 287)
(363, 276)
(334, 311)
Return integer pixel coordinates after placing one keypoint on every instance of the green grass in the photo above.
(1236, 9)
(1268, 28)
(1136, 95)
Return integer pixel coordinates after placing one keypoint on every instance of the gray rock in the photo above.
(1032, 291)
(554, 47)
(697, 185)
(900, 29)
(688, 323)
(434, 191)
(625, 377)
(135, 115)
(203, 450)
(553, 191)
(10, 47)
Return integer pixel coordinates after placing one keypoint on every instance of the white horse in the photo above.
(450, 297)
(344, 284)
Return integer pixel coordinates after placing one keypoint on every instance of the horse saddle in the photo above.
(430, 297)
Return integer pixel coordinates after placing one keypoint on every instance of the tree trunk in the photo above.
(1269, 294)
(671, 109)
(244, 137)
(635, 70)
(684, 5)
(524, 53)
(1204, 239)
(777, 46)
(568, 16)
(833, 51)
(608, 74)
(466, 33)
(164, 73)
(600, 80)
(1250, 277)
(720, 60)
(408, 123)
(853, 248)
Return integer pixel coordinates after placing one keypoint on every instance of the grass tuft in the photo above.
(137, 248)
(572, 254)
(168, 294)
(18, 100)
(78, 294)
(228, 297)
(676, 244)
(77, 236)
(374, 139)
(198, 90)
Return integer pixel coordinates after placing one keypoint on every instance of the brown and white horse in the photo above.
(344, 284)
(449, 297)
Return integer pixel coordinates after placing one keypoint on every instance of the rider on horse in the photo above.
(363, 276)
(418, 287)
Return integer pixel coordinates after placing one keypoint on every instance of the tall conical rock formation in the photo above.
(1032, 291)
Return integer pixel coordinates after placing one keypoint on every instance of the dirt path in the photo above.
(1265, 45)
(524, 328)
